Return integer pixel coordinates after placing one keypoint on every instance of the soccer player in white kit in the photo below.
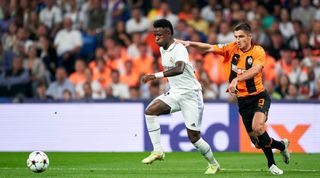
(184, 95)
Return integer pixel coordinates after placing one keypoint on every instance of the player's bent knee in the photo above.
(151, 110)
(258, 130)
(193, 136)
(148, 112)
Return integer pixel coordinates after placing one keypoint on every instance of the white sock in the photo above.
(205, 150)
(154, 132)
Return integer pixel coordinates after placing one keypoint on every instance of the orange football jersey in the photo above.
(237, 62)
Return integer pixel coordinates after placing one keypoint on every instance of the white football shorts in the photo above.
(189, 103)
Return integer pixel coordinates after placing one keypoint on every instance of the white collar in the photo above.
(170, 47)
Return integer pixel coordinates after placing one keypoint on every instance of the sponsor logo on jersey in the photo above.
(237, 70)
(250, 60)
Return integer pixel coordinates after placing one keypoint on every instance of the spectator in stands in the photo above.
(51, 16)
(36, 67)
(75, 15)
(293, 92)
(180, 30)
(9, 39)
(258, 35)
(133, 48)
(41, 92)
(23, 41)
(56, 89)
(32, 25)
(143, 62)
(6, 57)
(298, 29)
(185, 13)
(214, 66)
(314, 39)
(114, 60)
(303, 42)
(16, 80)
(114, 12)
(137, 22)
(208, 11)
(154, 11)
(134, 93)
(286, 26)
(166, 13)
(317, 89)
(67, 95)
(130, 77)
(101, 73)
(99, 55)
(197, 22)
(23, 12)
(286, 66)
(150, 41)
(269, 72)
(276, 45)
(236, 14)
(203, 78)
(48, 55)
(282, 89)
(119, 89)
(94, 89)
(42, 31)
(96, 16)
(304, 13)
(87, 91)
(120, 35)
(78, 76)
(225, 35)
(68, 42)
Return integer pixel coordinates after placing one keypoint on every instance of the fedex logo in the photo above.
(219, 128)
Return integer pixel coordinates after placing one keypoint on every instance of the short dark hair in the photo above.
(243, 26)
(163, 23)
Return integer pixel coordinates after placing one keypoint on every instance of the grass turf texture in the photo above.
(179, 164)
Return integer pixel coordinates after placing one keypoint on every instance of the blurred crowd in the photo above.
(98, 49)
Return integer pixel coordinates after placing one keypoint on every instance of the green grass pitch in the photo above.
(178, 164)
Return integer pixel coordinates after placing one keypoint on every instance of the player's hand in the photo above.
(147, 78)
(232, 89)
(185, 43)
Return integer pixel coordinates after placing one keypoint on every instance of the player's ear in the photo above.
(168, 32)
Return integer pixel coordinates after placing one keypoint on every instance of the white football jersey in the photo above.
(187, 80)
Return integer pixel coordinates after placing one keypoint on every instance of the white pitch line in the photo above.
(143, 169)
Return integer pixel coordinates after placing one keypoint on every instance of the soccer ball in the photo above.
(38, 161)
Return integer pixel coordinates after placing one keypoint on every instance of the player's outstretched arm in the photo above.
(198, 45)
(177, 70)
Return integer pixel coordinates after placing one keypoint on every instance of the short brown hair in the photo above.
(243, 26)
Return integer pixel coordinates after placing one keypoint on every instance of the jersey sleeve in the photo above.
(259, 56)
(181, 53)
(221, 48)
